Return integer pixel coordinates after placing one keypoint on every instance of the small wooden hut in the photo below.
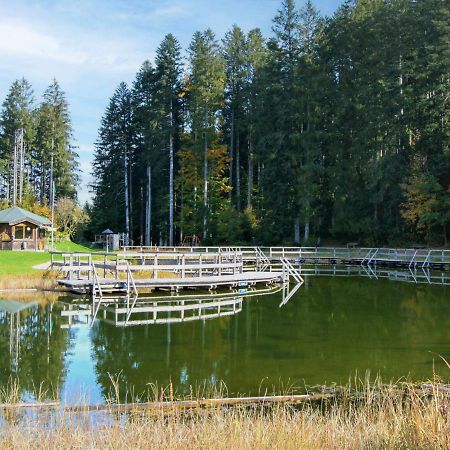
(22, 230)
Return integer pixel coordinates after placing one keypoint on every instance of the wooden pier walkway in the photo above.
(172, 270)
(85, 285)
(264, 256)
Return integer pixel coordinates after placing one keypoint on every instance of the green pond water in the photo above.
(330, 330)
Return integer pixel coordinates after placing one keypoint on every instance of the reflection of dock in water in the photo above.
(162, 309)
(149, 312)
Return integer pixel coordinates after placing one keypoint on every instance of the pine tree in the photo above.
(206, 92)
(236, 76)
(168, 68)
(16, 119)
(55, 156)
(256, 57)
(111, 166)
(278, 126)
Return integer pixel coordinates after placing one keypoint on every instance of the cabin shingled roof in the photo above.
(15, 215)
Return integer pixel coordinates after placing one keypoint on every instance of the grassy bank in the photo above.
(69, 246)
(16, 267)
(15, 263)
(379, 417)
(38, 279)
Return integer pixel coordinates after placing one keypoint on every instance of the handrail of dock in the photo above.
(365, 255)
(182, 264)
(420, 275)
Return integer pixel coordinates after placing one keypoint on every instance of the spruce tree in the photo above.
(169, 69)
(206, 97)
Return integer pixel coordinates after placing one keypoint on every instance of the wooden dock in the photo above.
(130, 277)
(238, 280)
(265, 256)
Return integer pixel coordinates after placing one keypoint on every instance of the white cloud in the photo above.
(22, 40)
(174, 10)
(164, 12)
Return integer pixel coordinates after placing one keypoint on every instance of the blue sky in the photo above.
(91, 46)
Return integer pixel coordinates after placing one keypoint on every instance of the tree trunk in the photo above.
(127, 198)
(42, 186)
(141, 217)
(250, 175)
(171, 196)
(130, 200)
(148, 213)
(306, 231)
(297, 230)
(238, 174)
(231, 153)
(205, 188)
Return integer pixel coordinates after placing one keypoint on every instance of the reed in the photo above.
(400, 415)
(39, 280)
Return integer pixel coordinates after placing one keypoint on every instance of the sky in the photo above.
(92, 46)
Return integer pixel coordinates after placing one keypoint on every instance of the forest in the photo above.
(38, 161)
(331, 129)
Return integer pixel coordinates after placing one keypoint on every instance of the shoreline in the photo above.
(378, 416)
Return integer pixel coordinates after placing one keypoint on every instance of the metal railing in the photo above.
(364, 255)
(418, 275)
(223, 262)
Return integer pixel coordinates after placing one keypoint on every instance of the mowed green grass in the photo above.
(69, 246)
(17, 262)
(20, 262)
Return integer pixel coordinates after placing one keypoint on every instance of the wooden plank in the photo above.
(177, 404)
(249, 277)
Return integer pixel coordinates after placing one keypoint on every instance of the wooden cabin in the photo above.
(22, 230)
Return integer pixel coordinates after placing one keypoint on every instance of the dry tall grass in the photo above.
(40, 280)
(381, 417)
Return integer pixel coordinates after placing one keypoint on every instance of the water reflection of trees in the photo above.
(32, 347)
(176, 353)
(326, 333)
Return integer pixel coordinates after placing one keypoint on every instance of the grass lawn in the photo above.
(21, 262)
(69, 246)
(17, 262)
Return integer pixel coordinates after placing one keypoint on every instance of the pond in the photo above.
(331, 329)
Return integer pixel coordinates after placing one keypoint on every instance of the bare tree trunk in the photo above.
(42, 184)
(260, 184)
(306, 231)
(21, 164)
(250, 175)
(50, 195)
(205, 188)
(171, 196)
(127, 198)
(14, 188)
(231, 153)
(141, 216)
(297, 230)
(148, 213)
(130, 199)
(238, 174)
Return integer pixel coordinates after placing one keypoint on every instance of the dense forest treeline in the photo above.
(37, 158)
(332, 128)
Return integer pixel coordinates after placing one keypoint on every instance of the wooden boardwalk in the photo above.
(85, 285)
(129, 278)
(264, 256)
